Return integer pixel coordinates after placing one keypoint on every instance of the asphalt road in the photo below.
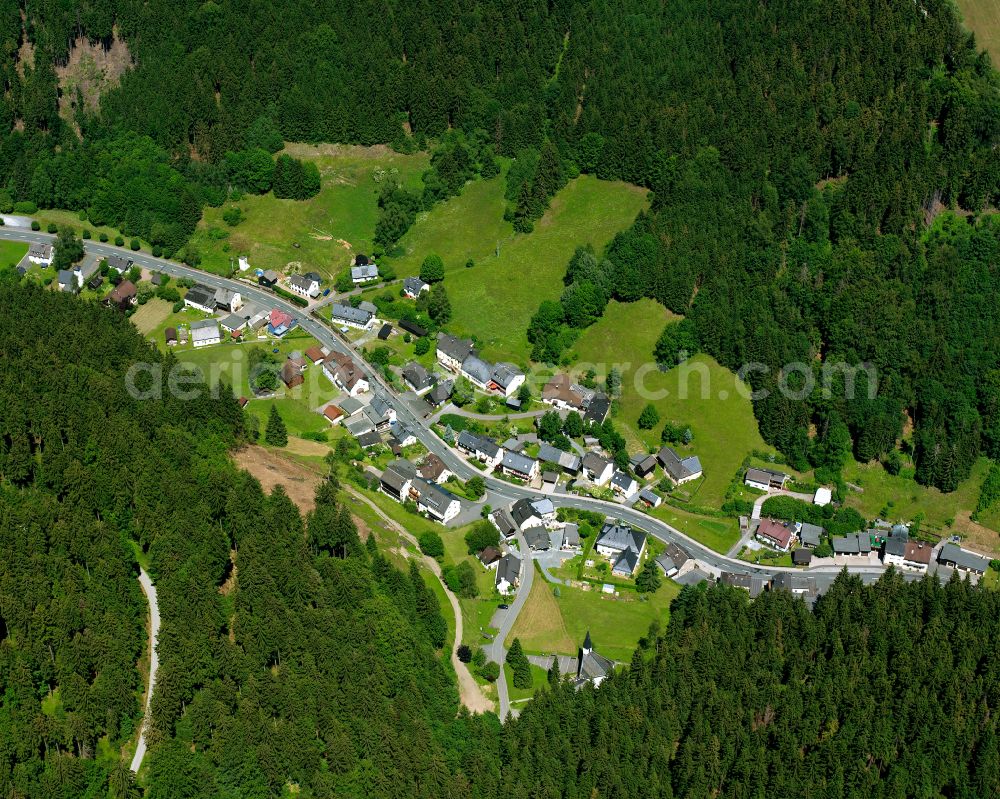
(497, 651)
(499, 492)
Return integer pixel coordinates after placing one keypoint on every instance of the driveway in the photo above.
(497, 652)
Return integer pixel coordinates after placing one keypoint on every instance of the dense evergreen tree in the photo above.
(275, 434)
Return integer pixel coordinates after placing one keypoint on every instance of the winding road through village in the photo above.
(499, 492)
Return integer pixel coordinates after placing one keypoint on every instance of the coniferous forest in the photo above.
(796, 153)
(320, 670)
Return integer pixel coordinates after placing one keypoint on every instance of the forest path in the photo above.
(154, 663)
(470, 694)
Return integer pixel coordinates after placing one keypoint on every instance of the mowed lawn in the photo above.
(982, 17)
(495, 299)
(11, 252)
(320, 234)
(557, 625)
(150, 316)
(699, 393)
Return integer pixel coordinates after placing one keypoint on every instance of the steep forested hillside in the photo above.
(796, 152)
(888, 691)
(307, 659)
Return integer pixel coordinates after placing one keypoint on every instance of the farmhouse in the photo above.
(433, 500)
(562, 393)
(200, 298)
(396, 480)
(352, 317)
(204, 333)
(451, 351)
(623, 483)
(40, 254)
(679, 470)
(439, 394)
(477, 370)
(490, 557)
(268, 278)
(413, 287)
(505, 378)
(597, 409)
(304, 286)
(765, 479)
(67, 281)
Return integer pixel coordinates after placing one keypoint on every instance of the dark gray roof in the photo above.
(475, 443)
(626, 563)
(622, 480)
(620, 536)
(677, 467)
(233, 322)
(895, 545)
(567, 460)
(371, 439)
(300, 282)
(753, 583)
(537, 538)
(477, 369)
(648, 495)
(201, 295)
(504, 374)
(810, 534)
(517, 462)
(440, 392)
(571, 534)
(396, 476)
(764, 475)
(457, 348)
(594, 666)
(597, 409)
(349, 314)
(848, 545)
(414, 285)
(801, 557)
(433, 496)
(509, 569)
(950, 553)
(595, 463)
(523, 510)
(665, 562)
(119, 262)
(505, 522)
(67, 278)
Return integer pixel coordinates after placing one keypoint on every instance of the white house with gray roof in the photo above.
(452, 351)
(597, 468)
(622, 543)
(364, 273)
(514, 464)
(352, 317)
(436, 502)
(508, 574)
(303, 286)
(204, 333)
(40, 254)
(483, 449)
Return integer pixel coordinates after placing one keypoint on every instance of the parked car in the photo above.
(326, 292)
(504, 606)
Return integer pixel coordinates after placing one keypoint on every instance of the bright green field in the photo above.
(495, 299)
(328, 228)
(982, 17)
(539, 679)
(699, 392)
(11, 252)
(715, 533)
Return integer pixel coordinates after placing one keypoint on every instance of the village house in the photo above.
(894, 547)
(40, 254)
(291, 373)
(433, 469)
(396, 480)
(440, 393)
(490, 557)
(560, 392)
(505, 378)
(483, 449)
(505, 523)
(679, 470)
(597, 409)
(369, 440)
(810, 535)
(753, 584)
(380, 412)
(351, 406)
(451, 351)
(227, 300)
(413, 287)
(315, 354)
(538, 539)
(234, 323)
(623, 483)
(775, 534)
(476, 370)
(765, 479)
(508, 574)
(855, 544)
(66, 281)
(364, 273)
(643, 464)
(352, 317)
(917, 555)
(304, 286)
(650, 498)
(400, 434)
(268, 278)
(417, 377)
(344, 373)
(333, 414)
(623, 544)
(170, 336)
(514, 464)
(433, 500)
(120, 263)
(204, 333)
(597, 469)
(201, 298)
(570, 537)
(122, 296)
(567, 461)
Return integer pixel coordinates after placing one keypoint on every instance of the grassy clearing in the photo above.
(152, 315)
(700, 393)
(11, 252)
(715, 533)
(558, 625)
(539, 679)
(982, 17)
(319, 234)
(495, 299)
(72, 219)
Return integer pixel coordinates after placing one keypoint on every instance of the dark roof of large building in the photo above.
(475, 443)
(950, 553)
(597, 410)
(348, 314)
(201, 295)
(626, 563)
(537, 538)
(456, 348)
(509, 569)
(505, 522)
(677, 467)
(516, 462)
(618, 536)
